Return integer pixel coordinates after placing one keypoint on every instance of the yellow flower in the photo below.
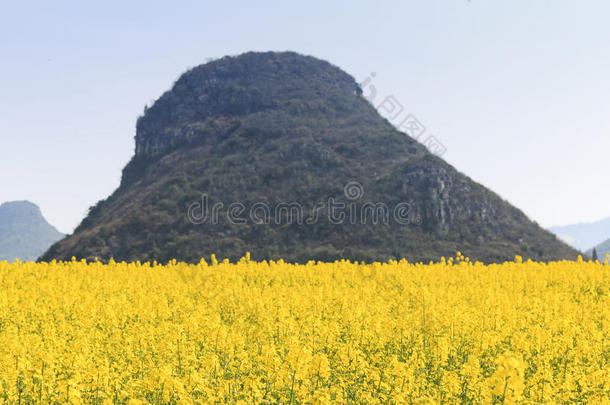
(267, 332)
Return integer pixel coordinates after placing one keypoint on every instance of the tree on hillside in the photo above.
(594, 255)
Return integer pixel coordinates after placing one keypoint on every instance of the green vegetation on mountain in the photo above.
(276, 128)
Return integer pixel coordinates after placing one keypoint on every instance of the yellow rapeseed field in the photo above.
(250, 332)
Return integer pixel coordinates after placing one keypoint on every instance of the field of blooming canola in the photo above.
(249, 332)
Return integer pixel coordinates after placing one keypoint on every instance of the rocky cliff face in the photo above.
(277, 139)
(229, 88)
(448, 199)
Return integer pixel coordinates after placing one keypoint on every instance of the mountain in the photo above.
(584, 235)
(602, 250)
(24, 233)
(280, 155)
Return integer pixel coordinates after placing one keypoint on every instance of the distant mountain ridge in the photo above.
(584, 236)
(601, 249)
(264, 129)
(24, 233)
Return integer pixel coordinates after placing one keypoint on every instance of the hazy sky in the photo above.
(517, 91)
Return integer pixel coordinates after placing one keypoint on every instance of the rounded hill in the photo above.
(250, 153)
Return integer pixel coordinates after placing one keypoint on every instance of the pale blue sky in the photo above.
(518, 91)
